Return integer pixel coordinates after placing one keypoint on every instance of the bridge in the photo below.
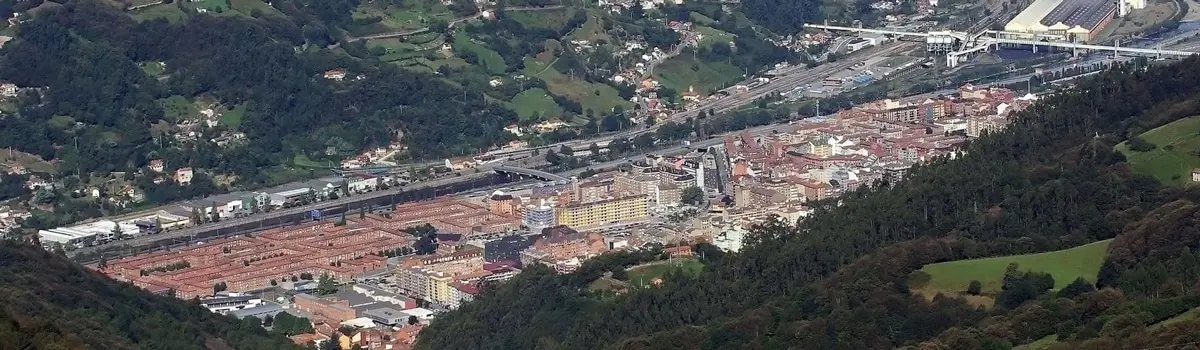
(537, 174)
(963, 44)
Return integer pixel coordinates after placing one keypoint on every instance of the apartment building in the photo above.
(658, 191)
(603, 212)
(563, 248)
(435, 282)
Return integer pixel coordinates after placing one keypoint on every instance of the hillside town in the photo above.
(386, 274)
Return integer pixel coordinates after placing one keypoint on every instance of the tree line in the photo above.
(53, 303)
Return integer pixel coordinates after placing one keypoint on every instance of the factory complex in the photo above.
(1068, 20)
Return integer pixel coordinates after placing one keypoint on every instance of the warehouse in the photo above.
(1070, 20)
(79, 236)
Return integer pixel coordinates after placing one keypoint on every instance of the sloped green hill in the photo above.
(48, 302)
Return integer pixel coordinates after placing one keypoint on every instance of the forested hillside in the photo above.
(838, 280)
(87, 56)
(103, 93)
(237, 90)
(49, 302)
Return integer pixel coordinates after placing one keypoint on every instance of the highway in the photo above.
(787, 79)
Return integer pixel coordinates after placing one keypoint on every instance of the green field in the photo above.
(550, 19)
(641, 276)
(398, 50)
(248, 6)
(302, 161)
(165, 11)
(61, 122)
(682, 71)
(403, 15)
(535, 104)
(1186, 316)
(393, 45)
(233, 117)
(489, 59)
(219, 6)
(1065, 265)
(452, 62)
(1172, 161)
(1039, 344)
(592, 30)
(153, 69)
(700, 19)
(177, 108)
(400, 56)
(32, 162)
(709, 36)
(425, 38)
(600, 98)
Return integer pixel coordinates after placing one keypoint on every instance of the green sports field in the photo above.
(641, 276)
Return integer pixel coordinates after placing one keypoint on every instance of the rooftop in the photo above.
(1084, 13)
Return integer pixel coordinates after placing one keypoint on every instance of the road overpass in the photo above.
(537, 174)
(972, 43)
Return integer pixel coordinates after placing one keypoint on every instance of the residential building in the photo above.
(462, 292)
(563, 248)
(183, 176)
(157, 165)
(9, 90)
(335, 74)
(603, 212)
(504, 204)
(539, 216)
(506, 249)
(592, 191)
(250, 263)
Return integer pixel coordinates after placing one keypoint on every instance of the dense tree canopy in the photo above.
(783, 16)
(95, 109)
(52, 303)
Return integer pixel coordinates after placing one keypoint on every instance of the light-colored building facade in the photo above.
(608, 211)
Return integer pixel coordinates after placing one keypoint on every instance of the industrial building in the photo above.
(85, 235)
(1068, 20)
